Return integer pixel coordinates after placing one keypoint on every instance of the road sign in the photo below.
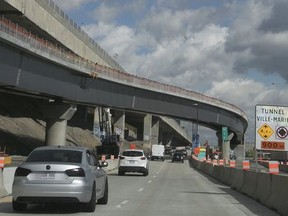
(271, 124)
(224, 134)
(265, 131)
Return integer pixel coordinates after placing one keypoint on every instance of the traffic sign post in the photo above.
(271, 124)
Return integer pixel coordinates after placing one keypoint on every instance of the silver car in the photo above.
(60, 174)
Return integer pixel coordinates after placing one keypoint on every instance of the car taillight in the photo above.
(76, 172)
(121, 157)
(22, 171)
(143, 158)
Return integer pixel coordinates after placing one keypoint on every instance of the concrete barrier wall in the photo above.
(7, 177)
(3, 191)
(237, 181)
(249, 185)
(263, 188)
(271, 190)
(278, 196)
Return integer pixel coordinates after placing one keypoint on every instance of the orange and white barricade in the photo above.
(2, 161)
(209, 160)
(103, 157)
(221, 162)
(232, 163)
(246, 165)
(215, 162)
(274, 167)
(112, 157)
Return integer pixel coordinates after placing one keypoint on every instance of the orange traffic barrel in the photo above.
(2, 161)
(221, 162)
(232, 163)
(112, 157)
(274, 167)
(103, 158)
(214, 162)
(246, 165)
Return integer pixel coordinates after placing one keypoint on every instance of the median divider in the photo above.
(249, 183)
(237, 181)
(3, 191)
(269, 189)
(278, 195)
(263, 188)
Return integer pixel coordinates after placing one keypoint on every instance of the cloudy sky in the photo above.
(233, 50)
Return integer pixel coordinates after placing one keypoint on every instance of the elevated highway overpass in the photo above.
(69, 66)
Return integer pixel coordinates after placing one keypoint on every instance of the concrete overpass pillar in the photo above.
(147, 131)
(119, 124)
(226, 147)
(155, 130)
(56, 115)
(96, 123)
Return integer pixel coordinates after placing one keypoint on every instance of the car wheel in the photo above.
(91, 205)
(104, 199)
(146, 172)
(172, 161)
(18, 206)
(182, 161)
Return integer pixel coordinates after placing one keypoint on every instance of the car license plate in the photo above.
(48, 175)
(131, 161)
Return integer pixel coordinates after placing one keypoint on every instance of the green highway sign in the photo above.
(224, 134)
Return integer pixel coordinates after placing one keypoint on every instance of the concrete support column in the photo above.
(96, 123)
(119, 124)
(226, 147)
(147, 131)
(226, 150)
(56, 132)
(56, 115)
(155, 130)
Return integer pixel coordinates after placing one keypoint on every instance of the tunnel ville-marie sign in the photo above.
(271, 127)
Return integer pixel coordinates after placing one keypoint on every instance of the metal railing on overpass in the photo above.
(16, 34)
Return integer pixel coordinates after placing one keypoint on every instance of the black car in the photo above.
(178, 156)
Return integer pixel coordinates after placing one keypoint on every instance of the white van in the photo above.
(157, 152)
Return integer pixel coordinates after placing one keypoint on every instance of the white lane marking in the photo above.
(149, 181)
(141, 189)
(154, 176)
(122, 204)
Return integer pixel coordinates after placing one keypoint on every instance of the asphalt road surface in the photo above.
(169, 189)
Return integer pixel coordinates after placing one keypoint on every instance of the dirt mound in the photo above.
(22, 127)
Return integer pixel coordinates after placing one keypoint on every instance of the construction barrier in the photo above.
(112, 157)
(2, 162)
(103, 158)
(221, 162)
(270, 190)
(8, 160)
(232, 163)
(274, 167)
(215, 162)
(246, 165)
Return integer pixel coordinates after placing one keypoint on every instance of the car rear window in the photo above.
(133, 153)
(68, 156)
